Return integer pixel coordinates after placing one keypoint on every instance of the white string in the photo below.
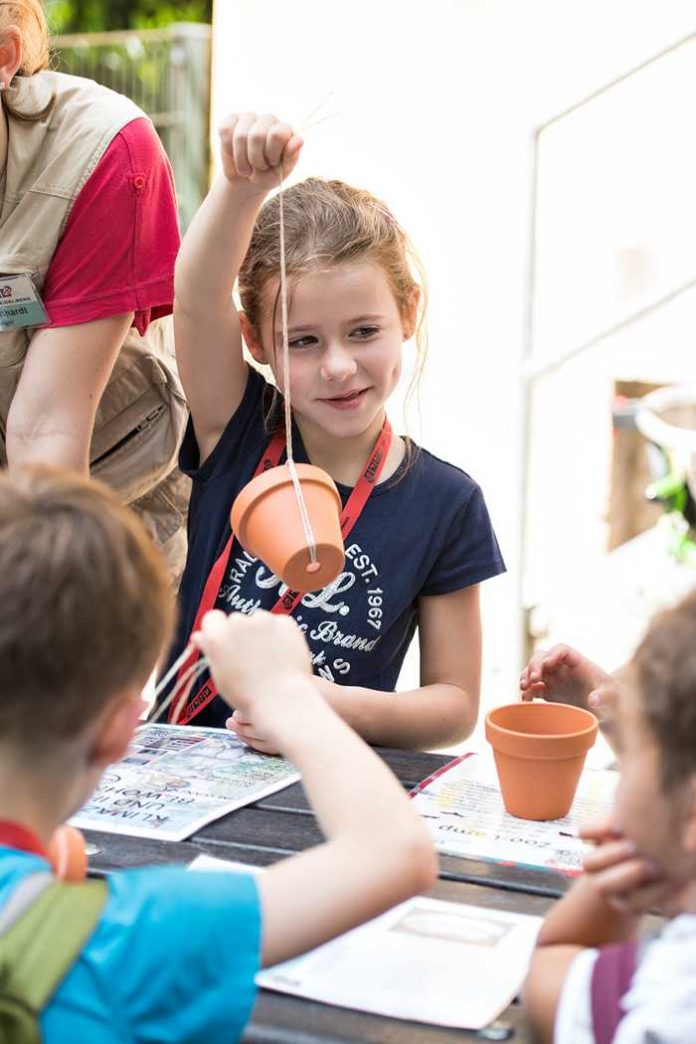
(304, 514)
(299, 496)
(318, 115)
(319, 121)
(185, 683)
(162, 684)
(194, 671)
(200, 667)
(316, 110)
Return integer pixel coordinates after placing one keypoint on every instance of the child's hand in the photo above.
(566, 676)
(629, 883)
(249, 733)
(255, 149)
(258, 662)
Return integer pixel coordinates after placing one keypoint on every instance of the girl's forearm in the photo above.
(436, 715)
(214, 247)
(351, 790)
(584, 918)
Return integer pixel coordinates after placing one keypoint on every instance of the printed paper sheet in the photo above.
(468, 962)
(175, 779)
(464, 812)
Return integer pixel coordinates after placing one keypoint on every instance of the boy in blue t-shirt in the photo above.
(85, 610)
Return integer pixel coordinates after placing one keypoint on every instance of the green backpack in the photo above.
(43, 928)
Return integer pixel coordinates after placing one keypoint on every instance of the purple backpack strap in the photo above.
(611, 978)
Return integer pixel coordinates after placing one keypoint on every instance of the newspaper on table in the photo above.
(176, 778)
(426, 960)
(464, 812)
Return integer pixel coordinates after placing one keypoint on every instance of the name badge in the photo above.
(20, 303)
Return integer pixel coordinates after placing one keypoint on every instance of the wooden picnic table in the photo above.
(282, 824)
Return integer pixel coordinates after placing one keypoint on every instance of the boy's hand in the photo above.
(564, 675)
(255, 149)
(257, 662)
(626, 881)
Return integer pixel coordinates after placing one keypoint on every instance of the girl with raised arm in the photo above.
(422, 541)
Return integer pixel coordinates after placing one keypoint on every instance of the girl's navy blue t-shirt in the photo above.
(424, 531)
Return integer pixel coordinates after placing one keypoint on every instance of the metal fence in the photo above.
(167, 73)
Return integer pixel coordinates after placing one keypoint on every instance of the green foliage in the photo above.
(72, 16)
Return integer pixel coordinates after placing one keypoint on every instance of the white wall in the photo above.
(435, 107)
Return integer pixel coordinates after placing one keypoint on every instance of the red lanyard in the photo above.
(287, 602)
(14, 835)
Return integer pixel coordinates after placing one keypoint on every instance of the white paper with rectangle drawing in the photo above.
(175, 779)
(426, 960)
(464, 812)
(211, 864)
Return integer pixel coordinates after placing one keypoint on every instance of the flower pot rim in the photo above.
(590, 727)
(266, 518)
(279, 475)
(276, 478)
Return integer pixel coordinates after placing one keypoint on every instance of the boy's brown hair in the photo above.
(85, 605)
(665, 670)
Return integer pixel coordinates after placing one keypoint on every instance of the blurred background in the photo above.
(158, 53)
(542, 158)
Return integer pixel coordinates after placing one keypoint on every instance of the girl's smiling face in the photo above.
(345, 332)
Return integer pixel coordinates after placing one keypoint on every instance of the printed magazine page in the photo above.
(175, 779)
(464, 812)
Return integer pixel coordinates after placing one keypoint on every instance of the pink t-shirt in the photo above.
(120, 242)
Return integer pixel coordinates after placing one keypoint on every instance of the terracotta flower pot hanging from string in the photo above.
(539, 751)
(289, 516)
(267, 520)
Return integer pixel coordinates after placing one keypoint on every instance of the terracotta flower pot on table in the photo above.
(539, 751)
(267, 521)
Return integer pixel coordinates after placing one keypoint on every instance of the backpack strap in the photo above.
(26, 892)
(42, 930)
(611, 978)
